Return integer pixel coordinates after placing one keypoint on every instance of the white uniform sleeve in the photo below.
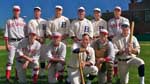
(111, 33)
(30, 26)
(105, 25)
(67, 26)
(37, 55)
(111, 51)
(63, 52)
(72, 30)
(25, 29)
(92, 55)
(116, 49)
(136, 44)
(91, 29)
(48, 52)
(49, 28)
(19, 48)
(6, 30)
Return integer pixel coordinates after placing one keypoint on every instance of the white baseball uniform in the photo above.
(114, 26)
(97, 25)
(31, 50)
(73, 64)
(15, 30)
(60, 25)
(55, 52)
(78, 28)
(126, 60)
(38, 25)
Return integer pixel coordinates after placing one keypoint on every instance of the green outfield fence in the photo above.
(143, 37)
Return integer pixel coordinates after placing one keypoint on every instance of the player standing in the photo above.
(59, 23)
(14, 32)
(38, 25)
(80, 26)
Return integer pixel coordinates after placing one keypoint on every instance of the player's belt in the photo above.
(16, 39)
(124, 59)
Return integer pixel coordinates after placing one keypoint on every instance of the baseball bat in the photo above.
(48, 65)
(131, 32)
(81, 70)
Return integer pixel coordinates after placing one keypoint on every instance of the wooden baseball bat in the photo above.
(48, 65)
(81, 70)
(131, 32)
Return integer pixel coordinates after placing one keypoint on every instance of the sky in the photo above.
(48, 6)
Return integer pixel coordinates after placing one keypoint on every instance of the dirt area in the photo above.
(2, 47)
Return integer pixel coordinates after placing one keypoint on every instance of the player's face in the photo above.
(81, 14)
(103, 37)
(97, 14)
(58, 12)
(56, 39)
(32, 37)
(37, 13)
(117, 13)
(125, 32)
(85, 41)
(16, 12)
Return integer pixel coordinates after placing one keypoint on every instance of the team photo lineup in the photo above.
(100, 49)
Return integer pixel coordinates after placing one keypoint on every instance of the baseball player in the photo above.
(87, 61)
(114, 24)
(28, 53)
(114, 29)
(80, 26)
(98, 23)
(59, 23)
(105, 54)
(14, 32)
(126, 54)
(56, 53)
(38, 25)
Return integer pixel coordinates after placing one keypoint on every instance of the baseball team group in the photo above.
(101, 49)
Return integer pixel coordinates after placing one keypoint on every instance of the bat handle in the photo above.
(48, 65)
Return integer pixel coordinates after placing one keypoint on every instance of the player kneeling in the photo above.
(28, 53)
(105, 54)
(86, 62)
(56, 57)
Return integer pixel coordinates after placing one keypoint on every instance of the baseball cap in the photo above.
(125, 24)
(37, 8)
(81, 8)
(104, 31)
(56, 34)
(16, 7)
(97, 9)
(86, 33)
(31, 32)
(59, 7)
(117, 8)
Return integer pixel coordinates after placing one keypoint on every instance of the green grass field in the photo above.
(133, 71)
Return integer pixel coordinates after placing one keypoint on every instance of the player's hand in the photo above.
(25, 65)
(64, 36)
(62, 62)
(31, 60)
(82, 64)
(101, 60)
(8, 47)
